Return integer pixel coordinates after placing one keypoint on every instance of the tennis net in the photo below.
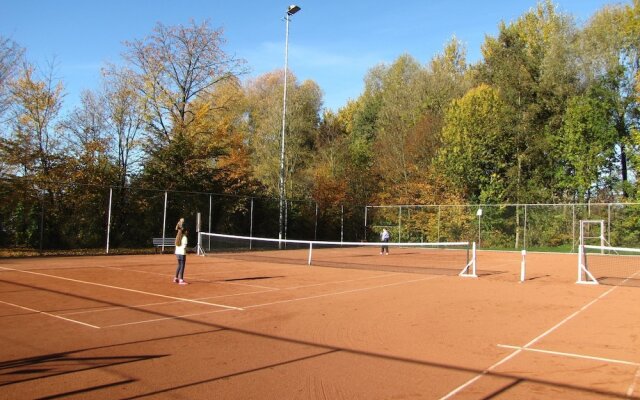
(447, 258)
(618, 266)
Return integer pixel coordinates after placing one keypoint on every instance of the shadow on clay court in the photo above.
(57, 364)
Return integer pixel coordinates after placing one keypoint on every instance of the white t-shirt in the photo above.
(183, 246)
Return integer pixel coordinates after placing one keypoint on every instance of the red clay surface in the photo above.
(116, 327)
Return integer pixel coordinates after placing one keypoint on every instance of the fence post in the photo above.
(524, 234)
(251, 220)
(342, 223)
(315, 230)
(109, 218)
(365, 223)
(399, 224)
(164, 220)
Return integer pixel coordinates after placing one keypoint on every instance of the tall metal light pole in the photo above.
(290, 11)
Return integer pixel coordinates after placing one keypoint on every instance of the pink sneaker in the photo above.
(175, 280)
(183, 282)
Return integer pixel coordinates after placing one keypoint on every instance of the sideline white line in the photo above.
(518, 351)
(572, 355)
(124, 289)
(49, 314)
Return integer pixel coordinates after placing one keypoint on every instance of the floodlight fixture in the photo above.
(293, 9)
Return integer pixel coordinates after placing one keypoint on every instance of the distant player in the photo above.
(384, 236)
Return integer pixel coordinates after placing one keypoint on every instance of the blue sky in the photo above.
(331, 42)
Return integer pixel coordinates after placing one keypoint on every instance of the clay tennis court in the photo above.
(115, 327)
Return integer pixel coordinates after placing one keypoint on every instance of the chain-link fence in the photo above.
(552, 227)
(113, 219)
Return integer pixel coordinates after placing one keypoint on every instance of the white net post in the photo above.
(469, 270)
(584, 276)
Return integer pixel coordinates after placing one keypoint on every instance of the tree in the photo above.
(532, 64)
(264, 115)
(611, 48)
(10, 56)
(33, 148)
(585, 146)
(124, 120)
(35, 156)
(478, 155)
(177, 65)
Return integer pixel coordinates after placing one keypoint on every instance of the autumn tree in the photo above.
(264, 113)
(10, 57)
(176, 65)
(34, 153)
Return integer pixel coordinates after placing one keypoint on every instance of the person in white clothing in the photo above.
(384, 236)
(181, 255)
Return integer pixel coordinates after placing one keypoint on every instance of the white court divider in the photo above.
(469, 270)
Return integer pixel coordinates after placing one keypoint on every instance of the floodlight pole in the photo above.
(290, 11)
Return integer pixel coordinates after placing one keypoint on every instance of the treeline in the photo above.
(549, 114)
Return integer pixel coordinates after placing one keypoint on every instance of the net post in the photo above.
(523, 266)
(310, 253)
(469, 270)
(588, 279)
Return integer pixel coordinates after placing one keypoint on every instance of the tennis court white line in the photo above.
(338, 293)
(572, 355)
(518, 351)
(49, 314)
(124, 289)
(267, 304)
(164, 319)
(163, 303)
(269, 290)
(343, 281)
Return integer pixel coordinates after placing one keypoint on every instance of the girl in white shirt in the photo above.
(181, 255)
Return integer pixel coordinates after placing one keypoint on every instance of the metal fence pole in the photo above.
(109, 218)
(524, 234)
(365, 223)
(315, 230)
(342, 223)
(164, 220)
(251, 219)
(400, 224)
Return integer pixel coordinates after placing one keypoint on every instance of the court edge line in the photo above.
(125, 289)
(49, 314)
(516, 352)
(572, 355)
